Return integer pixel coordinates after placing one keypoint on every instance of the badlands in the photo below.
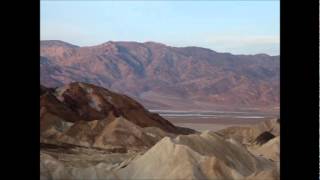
(89, 132)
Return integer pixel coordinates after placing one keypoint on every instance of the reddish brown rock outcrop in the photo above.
(82, 104)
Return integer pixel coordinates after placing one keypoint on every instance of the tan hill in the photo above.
(249, 134)
(161, 76)
(78, 163)
(270, 149)
(117, 135)
(262, 139)
(204, 156)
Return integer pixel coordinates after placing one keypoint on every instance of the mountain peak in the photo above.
(154, 43)
(262, 55)
(47, 43)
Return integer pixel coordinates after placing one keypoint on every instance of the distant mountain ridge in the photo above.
(165, 77)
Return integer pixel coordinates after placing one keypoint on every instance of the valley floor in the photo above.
(213, 124)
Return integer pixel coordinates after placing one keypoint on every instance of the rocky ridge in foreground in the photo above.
(207, 155)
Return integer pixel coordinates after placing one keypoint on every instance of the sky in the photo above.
(238, 27)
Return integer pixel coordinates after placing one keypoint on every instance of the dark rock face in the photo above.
(50, 104)
(264, 137)
(161, 76)
(87, 102)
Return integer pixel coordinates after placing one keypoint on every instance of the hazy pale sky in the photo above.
(238, 27)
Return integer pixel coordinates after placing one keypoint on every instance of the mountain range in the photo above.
(165, 77)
